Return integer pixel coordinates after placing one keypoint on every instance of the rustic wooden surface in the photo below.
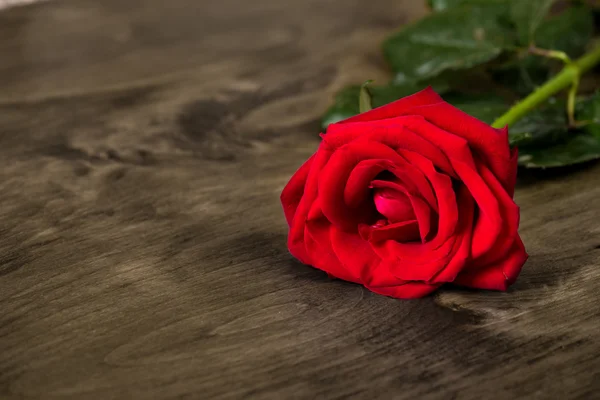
(143, 146)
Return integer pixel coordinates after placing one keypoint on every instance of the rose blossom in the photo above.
(407, 197)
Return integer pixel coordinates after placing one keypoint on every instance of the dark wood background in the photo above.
(143, 147)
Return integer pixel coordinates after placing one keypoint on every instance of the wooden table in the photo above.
(143, 147)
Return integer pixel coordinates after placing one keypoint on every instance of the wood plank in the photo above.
(143, 146)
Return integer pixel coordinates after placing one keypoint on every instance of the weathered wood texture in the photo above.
(143, 146)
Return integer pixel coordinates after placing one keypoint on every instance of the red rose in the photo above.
(407, 197)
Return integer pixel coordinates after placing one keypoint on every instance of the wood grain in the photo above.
(143, 146)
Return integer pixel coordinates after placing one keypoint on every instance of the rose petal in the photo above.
(462, 254)
(420, 208)
(453, 146)
(498, 276)
(296, 235)
(420, 265)
(512, 174)
(410, 290)
(407, 139)
(509, 214)
(335, 174)
(488, 224)
(444, 193)
(394, 205)
(381, 280)
(357, 189)
(353, 252)
(404, 184)
(424, 97)
(293, 191)
(490, 143)
(395, 134)
(405, 231)
(318, 245)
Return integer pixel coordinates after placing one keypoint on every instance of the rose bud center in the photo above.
(393, 205)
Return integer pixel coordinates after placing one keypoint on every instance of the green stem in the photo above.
(571, 102)
(559, 55)
(566, 77)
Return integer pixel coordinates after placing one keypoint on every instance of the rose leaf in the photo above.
(569, 31)
(344, 106)
(527, 15)
(346, 101)
(455, 39)
(544, 126)
(441, 5)
(365, 102)
(553, 144)
(522, 74)
(578, 148)
(483, 107)
(588, 112)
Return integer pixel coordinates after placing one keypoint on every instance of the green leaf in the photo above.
(364, 98)
(484, 107)
(522, 75)
(441, 5)
(386, 94)
(588, 112)
(578, 148)
(519, 139)
(455, 39)
(527, 16)
(540, 128)
(553, 144)
(345, 105)
(544, 126)
(346, 102)
(569, 31)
